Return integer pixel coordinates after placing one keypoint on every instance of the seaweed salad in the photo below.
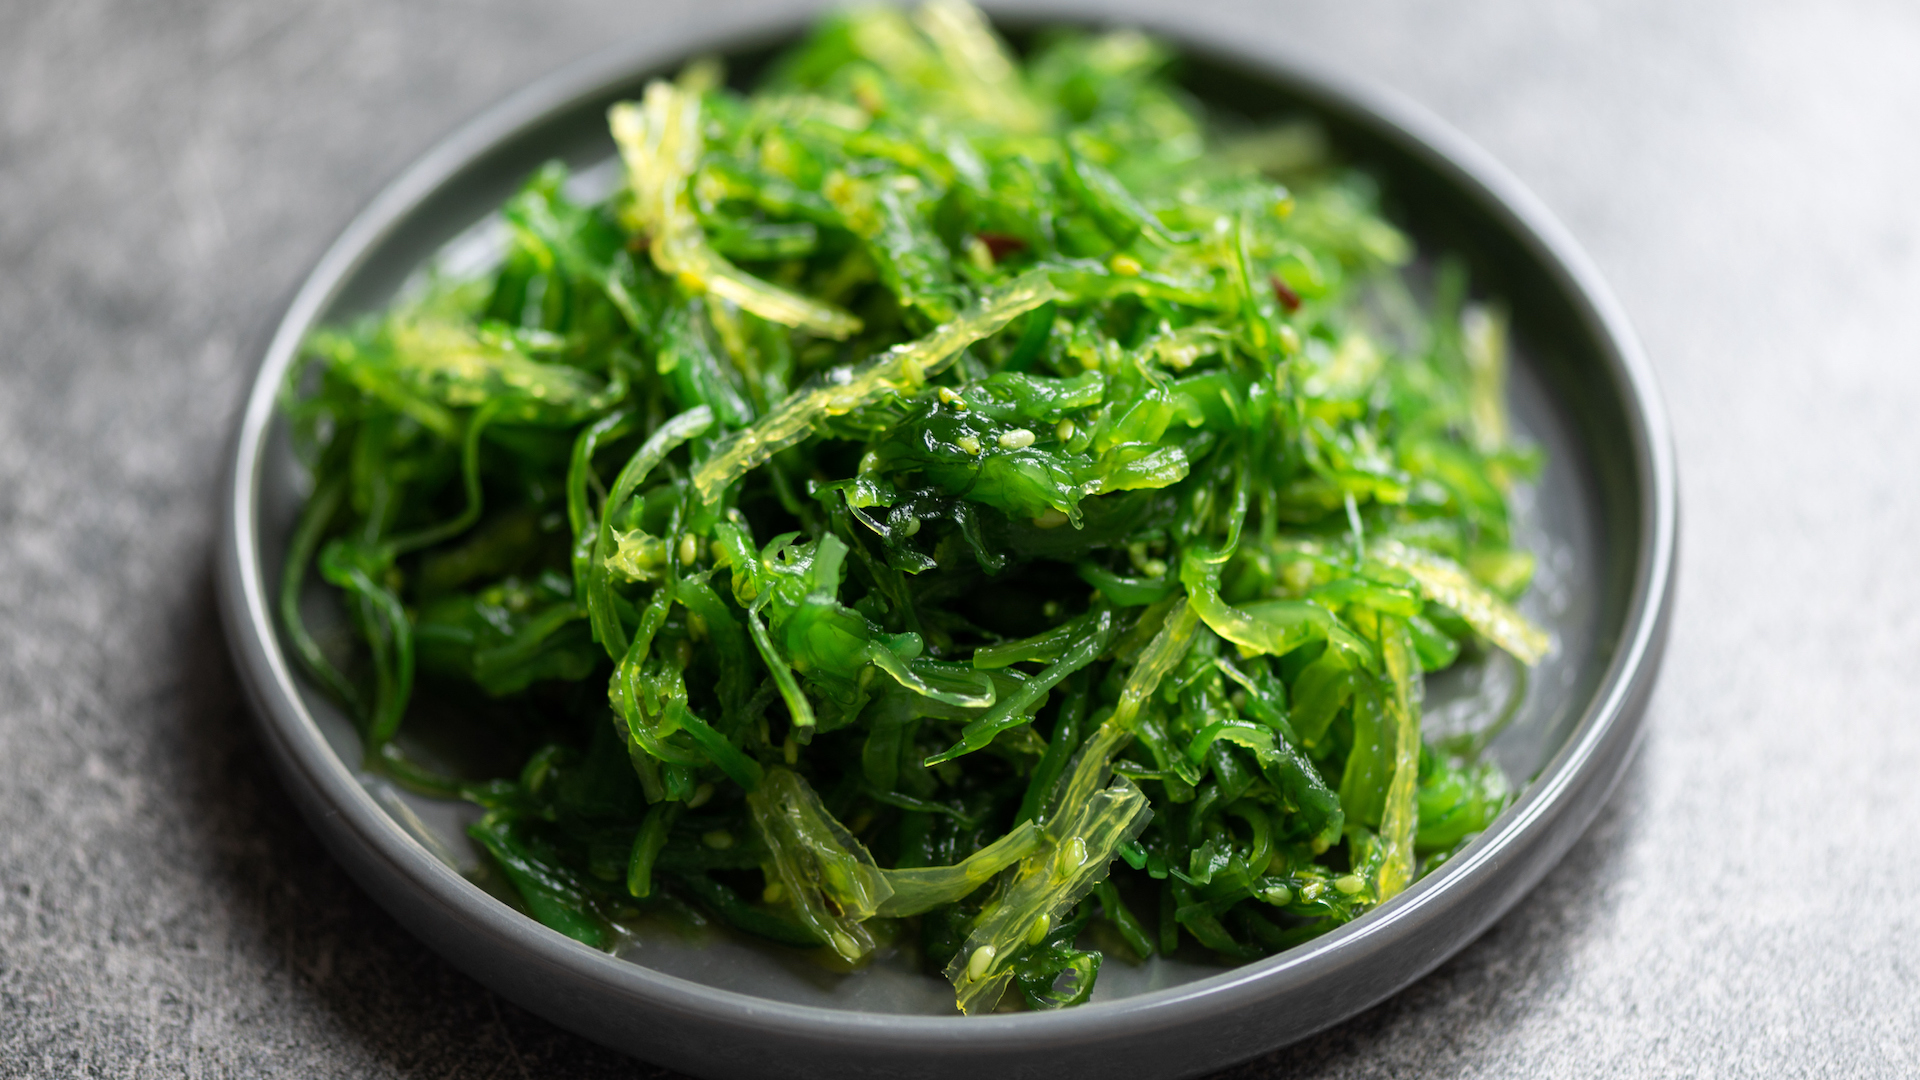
(946, 500)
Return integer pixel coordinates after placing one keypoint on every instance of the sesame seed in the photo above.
(980, 963)
(1038, 932)
(1070, 857)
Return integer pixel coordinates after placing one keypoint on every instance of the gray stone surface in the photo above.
(1742, 170)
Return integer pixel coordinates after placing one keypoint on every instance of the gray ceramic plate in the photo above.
(1604, 515)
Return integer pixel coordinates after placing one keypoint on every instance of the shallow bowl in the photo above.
(1604, 515)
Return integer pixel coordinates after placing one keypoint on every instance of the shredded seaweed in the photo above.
(946, 499)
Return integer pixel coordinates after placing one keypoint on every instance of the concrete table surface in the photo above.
(1743, 171)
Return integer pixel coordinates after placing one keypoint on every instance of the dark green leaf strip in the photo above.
(579, 469)
(647, 843)
(469, 481)
(1012, 710)
(729, 906)
(739, 768)
(1060, 747)
(600, 608)
(799, 709)
(315, 517)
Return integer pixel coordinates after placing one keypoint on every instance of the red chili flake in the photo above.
(1000, 245)
(1287, 297)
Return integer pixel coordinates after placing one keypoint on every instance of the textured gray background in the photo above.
(1744, 173)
